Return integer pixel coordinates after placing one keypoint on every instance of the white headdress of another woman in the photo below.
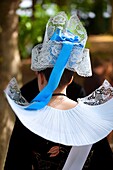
(45, 55)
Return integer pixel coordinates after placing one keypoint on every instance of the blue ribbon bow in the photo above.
(65, 37)
(43, 98)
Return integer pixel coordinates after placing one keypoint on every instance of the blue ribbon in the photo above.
(67, 36)
(43, 98)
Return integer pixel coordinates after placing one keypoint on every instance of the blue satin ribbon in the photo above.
(43, 98)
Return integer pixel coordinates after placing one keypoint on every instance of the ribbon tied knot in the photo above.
(65, 37)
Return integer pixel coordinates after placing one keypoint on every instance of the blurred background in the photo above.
(22, 25)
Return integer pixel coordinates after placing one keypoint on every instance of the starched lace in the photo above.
(100, 95)
(45, 57)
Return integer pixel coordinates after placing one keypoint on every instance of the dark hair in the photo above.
(65, 79)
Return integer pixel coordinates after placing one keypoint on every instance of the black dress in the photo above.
(25, 148)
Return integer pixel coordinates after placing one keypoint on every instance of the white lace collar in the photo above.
(81, 125)
(88, 122)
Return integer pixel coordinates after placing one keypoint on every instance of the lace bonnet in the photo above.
(45, 55)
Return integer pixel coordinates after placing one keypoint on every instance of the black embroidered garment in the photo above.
(48, 155)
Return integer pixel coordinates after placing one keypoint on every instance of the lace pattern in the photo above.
(14, 93)
(100, 95)
(46, 56)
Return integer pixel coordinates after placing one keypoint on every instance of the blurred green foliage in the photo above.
(32, 28)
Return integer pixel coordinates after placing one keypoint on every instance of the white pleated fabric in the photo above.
(81, 125)
(77, 157)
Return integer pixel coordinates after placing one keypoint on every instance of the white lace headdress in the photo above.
(45, 55)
